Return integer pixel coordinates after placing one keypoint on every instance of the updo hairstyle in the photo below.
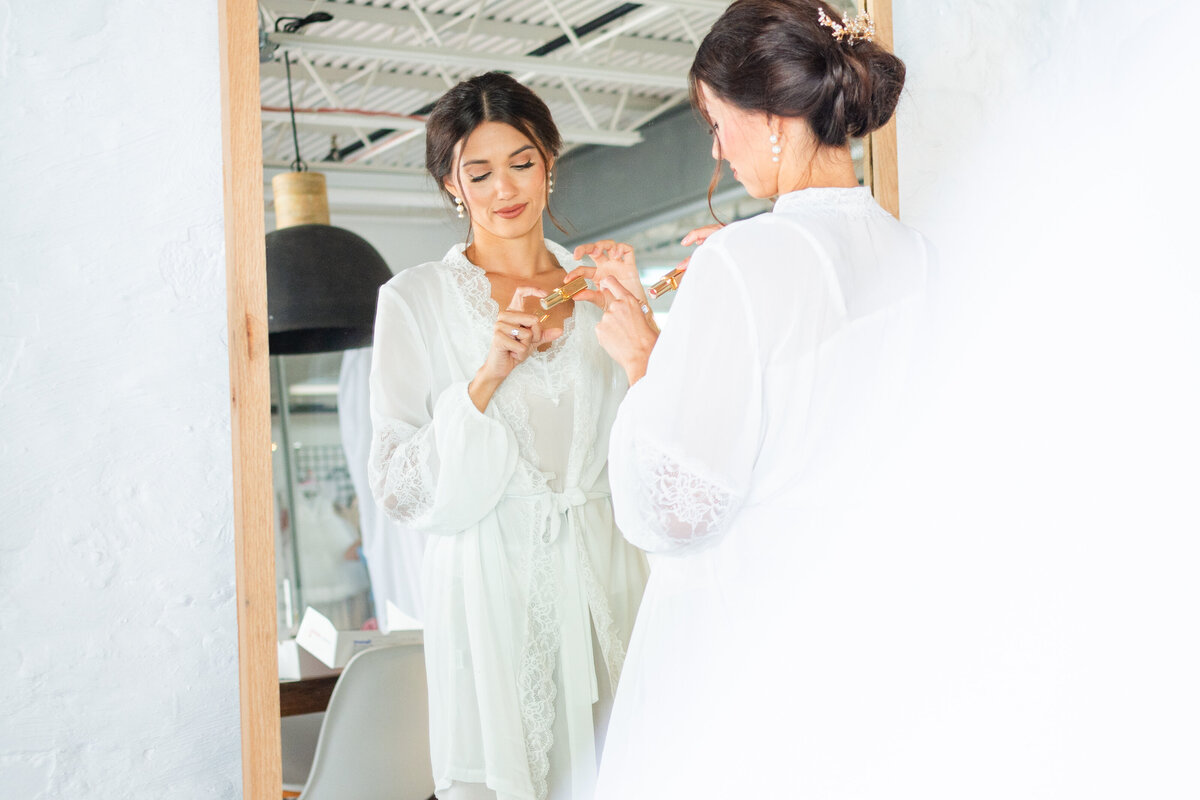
(491, 97)
(774, 56)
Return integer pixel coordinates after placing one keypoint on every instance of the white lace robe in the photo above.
(523, 558)
(768, 391)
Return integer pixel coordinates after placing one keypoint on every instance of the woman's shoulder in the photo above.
(770, 262)
(760, 246)
(744, 232)
(775, 228)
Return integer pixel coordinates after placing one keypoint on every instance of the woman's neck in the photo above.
(517, 258)
(830, 167)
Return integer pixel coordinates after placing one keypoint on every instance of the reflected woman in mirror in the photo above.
(491, 421)
(740, 452)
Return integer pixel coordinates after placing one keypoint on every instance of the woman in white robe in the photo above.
(393, 554)
(491, 435)
(739, 456)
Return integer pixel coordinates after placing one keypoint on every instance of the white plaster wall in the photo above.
(1044, 517)
(117, 601)
(1044, 148)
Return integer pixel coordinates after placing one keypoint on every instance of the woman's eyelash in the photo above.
(478, 178)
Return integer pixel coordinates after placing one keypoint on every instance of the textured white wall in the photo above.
(117, 603)
(1044, 147)
(1048, 503)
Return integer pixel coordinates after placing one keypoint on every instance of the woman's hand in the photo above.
(513, 339)
(697, 236)
(613, 259)
(626, 331)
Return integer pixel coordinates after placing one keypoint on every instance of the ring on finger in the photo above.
(516, 334)
(645, 308)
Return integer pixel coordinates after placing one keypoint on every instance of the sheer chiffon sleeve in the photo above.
(437, 464)
(687, 435)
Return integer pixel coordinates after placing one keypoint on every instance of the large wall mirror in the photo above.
(614, 76)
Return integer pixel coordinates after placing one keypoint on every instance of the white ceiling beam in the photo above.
(616, 117)
(642, 16)
(346, 119)
(337, 76)
(330, 94)
(431, 33)
(583, 109)
(389, 142)
(521, 31)
(475, 15)
(565, 26)
(692, 33)
(712, 6)
(338, 166)
(666, 106)
(376, 198)
(472, 59)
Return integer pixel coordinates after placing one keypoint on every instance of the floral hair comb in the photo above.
(852, 31)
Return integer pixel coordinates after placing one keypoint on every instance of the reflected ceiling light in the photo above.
(322, 281)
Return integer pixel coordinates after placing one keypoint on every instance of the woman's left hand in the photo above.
(613, 259)
(625, 331)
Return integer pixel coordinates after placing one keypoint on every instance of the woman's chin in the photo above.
(519, 228)
(755, 190)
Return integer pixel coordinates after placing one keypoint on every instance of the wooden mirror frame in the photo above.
(250, 399)
(249, 375)
(881, 151)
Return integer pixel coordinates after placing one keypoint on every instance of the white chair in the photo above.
(374, 742)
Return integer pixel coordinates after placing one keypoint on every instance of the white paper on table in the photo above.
(397, 620)
(318, 636)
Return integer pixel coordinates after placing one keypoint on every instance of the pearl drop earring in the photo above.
(775, 148)
(551, 177)
(458, 206)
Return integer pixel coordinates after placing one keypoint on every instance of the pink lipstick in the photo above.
(511, 212)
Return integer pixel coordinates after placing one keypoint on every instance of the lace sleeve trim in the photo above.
(399, 471)
(678, 504)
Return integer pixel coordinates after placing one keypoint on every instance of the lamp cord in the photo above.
(298, 165)
(292, 25)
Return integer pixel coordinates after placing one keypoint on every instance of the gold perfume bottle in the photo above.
(668, 283)
(565, 292)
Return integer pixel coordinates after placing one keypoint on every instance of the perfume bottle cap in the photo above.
(565, 292)
(668, 283)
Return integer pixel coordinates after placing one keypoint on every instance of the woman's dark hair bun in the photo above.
(776, 57)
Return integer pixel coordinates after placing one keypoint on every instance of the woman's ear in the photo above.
(774, 125)
(450, 187)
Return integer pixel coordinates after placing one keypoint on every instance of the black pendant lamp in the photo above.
(322, 281)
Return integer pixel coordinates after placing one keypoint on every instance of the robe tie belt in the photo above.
(565, 502)
(570, 498)
(566, 601)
